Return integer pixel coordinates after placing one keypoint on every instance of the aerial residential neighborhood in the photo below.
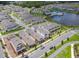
(48, 29)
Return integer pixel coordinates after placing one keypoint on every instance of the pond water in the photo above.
(67, 19)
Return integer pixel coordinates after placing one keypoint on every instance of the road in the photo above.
(60, 49)
(39, 52)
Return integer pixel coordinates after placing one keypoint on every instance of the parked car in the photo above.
(51, 47)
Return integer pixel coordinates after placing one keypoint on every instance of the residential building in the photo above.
(51, 27)
(41, 31)
(36, 35)
(8, 25)
(16, 43)
(3, 16)
(27, 39)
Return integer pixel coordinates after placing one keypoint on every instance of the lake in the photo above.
(67, 19)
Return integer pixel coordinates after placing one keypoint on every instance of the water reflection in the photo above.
(67, 19)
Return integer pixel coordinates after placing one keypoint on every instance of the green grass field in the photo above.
(66, 53)
(75, 5)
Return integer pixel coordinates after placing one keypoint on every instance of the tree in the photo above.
(68, 39)
(32, 3)
(54, 47)
(46, 54)
(62, 42)
(59, 33)
(77, 12)
(6, 54)
(35, 46)
(5, 2)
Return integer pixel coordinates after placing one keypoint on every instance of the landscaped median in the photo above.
(66, 53)
(73, 38)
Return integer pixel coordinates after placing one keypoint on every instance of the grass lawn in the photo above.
(14, 30)
(16, 15)
(38, 14)
(75, 5)
(66, 53)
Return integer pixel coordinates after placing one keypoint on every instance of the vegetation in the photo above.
(5, 2)
(49, 19)
(6, 54)
(32, 3)
(38, 14)
(75, 5)
(73, 38)
(66, 53)
(64, 10)
(14, 30)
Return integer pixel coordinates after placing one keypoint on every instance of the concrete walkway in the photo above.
(72, 51)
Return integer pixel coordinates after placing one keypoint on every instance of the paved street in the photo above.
(39, 52)
(60, 49)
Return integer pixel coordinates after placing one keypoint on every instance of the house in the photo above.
(41, 31)
(45, 30)
(51, 27)
(36, 35)
(27, 38)
(3, 16)
(16, 43)
(8, 25)
(25, 16)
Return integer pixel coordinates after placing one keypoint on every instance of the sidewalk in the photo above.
(72, 51)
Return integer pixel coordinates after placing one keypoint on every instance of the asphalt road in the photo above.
(39, 52)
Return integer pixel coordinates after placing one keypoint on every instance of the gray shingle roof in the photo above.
(16, 43)
(50, 26)
(27, 38)
(7, 25)
(37, 36)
